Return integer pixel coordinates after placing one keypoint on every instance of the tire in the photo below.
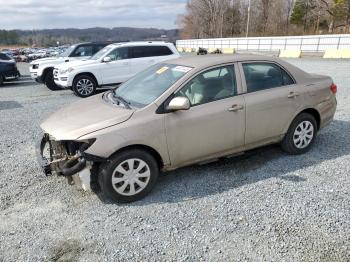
(301, 135)
(120, 190)
(1, 80)
(50, 82)
(84, 86)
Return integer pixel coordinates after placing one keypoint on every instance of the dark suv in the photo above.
(8, 68)
(41, 70)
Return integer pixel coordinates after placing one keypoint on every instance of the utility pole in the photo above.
(248, 20)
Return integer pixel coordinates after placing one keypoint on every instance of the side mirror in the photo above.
(106, 59)
(179, 103)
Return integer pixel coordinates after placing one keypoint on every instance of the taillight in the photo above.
(334, 88)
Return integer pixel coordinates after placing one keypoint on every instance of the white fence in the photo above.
(311, 43)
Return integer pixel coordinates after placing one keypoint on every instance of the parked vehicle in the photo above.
(8, 69)
(202, 51)
(113, 65)
(185, 111)
(41, 70)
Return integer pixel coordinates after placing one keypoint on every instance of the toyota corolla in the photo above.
(181, 112)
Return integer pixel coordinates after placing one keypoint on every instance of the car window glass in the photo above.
(140, 51)
(4, 57)
(212, 85)
(261, 76)
(85, 50)
(119, 54)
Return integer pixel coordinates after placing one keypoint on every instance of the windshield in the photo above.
(148, 85)
(67, 52)
(101, 53)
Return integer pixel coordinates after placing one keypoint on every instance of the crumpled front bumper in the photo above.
(54, 158)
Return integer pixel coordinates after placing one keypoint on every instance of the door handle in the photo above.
(293, 95)
(235, 108)
(125, 63)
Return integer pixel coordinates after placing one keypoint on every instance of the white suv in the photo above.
(112, 65)
(41, 70)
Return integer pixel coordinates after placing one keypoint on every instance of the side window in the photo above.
(261, 76)
(160, 51)
(212, 85)
(4, 57)
(84, 50)
(98, 48)
(287, 80)
(119, 54)
(140, 51)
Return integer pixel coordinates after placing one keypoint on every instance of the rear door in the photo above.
(272, 100)
(146, 56)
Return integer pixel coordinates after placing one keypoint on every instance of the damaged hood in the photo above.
(84, 117)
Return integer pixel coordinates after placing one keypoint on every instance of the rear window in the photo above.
(4, 57)
(149, 51)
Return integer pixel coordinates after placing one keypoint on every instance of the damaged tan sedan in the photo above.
(185, 111)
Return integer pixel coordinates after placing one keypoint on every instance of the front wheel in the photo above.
(301, 135)
(84, 86)
(128, 176)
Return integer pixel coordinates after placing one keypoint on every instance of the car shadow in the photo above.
(21, 82)
(261, 164)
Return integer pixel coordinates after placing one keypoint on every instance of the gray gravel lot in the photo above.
(263, 206)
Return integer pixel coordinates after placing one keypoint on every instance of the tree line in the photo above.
(227, 18)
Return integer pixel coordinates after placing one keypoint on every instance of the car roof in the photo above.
(200, 62)
(141, 43)
(212, 60)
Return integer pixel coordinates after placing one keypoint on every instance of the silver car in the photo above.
(185, 111)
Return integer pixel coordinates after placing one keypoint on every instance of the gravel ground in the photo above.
(263, 206)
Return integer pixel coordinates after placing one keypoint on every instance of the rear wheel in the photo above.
(50, 82)
(301, 135)
(84, 86)
(128, 176)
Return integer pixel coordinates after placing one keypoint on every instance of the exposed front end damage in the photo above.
(67, 158)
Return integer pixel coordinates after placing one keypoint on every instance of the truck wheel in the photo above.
(84, 86)
(50, 82)
(301, 135)
(128, 176)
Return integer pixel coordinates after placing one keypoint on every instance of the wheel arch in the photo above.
(46, 70)
(85, 73)
(146, 148)
(312, 111)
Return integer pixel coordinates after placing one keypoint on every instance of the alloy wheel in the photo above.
(85, 87)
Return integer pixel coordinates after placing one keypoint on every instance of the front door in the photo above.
(215, 123)
(118, 70)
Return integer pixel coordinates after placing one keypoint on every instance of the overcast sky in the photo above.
(40, 14)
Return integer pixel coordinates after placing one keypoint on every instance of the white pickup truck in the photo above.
(41, 70)
(112, 65)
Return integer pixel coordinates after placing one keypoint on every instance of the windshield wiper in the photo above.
(121, 99)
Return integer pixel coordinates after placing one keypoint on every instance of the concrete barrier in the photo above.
(290, 53)
(332, 53)
(180, 49)
(229, 51)
(345, 53)
(188, 50)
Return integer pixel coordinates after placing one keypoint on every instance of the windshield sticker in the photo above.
(183, 69)
(162, 70)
